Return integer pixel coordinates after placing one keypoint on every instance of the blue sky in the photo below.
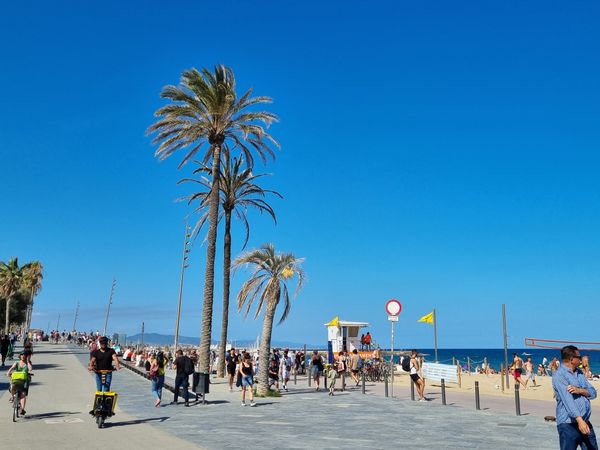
(443, 154)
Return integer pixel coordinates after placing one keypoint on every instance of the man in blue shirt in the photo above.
(573, 393)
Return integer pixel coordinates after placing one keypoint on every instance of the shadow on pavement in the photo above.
(135, 422)
(44, 366)
(55, 414)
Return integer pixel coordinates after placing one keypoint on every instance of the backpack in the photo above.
(340, 366)
(147, 366)
(360, 363)
(406, 364)
(188, 365)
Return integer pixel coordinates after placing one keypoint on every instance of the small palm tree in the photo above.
(12, 279)
(239, 192)
(205, 109)
(271, 271)
(33, 282)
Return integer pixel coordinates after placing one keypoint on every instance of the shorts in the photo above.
(230, 371)
(517, 373)
(354, 371)
(247, 380)
(415, 377)
(530, 376)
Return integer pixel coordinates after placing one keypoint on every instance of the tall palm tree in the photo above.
(33, 282)
(12, 278)
(205, 110)
(239, 192)
(268, 284)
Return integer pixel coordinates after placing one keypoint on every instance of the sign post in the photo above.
(393, 307)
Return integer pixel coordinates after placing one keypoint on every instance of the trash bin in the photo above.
(200, 383)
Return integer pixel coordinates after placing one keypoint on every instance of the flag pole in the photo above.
(435, 334)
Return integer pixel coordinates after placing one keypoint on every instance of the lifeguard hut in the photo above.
(343, 335)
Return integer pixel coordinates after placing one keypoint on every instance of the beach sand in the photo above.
(491, 385)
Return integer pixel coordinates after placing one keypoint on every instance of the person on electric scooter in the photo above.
(102, 359)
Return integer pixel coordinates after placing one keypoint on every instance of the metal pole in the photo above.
(142, 335)
(443, 392)
(76, 316)
(412, 390)
(385, 380)
(392, 361)
(505, 343)
(362, 376)
(517, 400)
(477, 404)
(183, 266)
(435, 334)
(502, 375)
(112, 291)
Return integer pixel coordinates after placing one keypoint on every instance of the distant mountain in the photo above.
(168, 339)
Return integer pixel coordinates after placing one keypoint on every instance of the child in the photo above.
(331, 377)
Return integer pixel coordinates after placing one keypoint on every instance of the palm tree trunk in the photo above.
(226, 283)
(209, 276)
(7, 319)
(265, 343)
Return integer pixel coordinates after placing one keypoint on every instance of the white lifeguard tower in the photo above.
(343, 335)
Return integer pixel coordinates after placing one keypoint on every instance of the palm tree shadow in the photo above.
(52, 414)
(136, 422)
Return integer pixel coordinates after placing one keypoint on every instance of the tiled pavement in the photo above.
(303, 418)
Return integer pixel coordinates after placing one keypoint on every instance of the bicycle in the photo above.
(18, 390)
(104, 401)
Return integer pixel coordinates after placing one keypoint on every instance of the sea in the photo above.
(495, 356)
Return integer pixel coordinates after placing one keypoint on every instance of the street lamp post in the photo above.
(112, 291)
(76, 316)
(184, 258)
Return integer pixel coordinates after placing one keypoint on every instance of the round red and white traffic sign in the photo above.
(393, 307)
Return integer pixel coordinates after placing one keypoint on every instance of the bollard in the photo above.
(502, 376)
(477, 404)
(295, 377)
(308, 376)
(343, 375)
(385, 384)
(517, 399)
(443, 392)
(362, 377)
(412, 390)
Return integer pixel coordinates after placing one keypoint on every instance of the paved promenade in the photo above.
(301, 418)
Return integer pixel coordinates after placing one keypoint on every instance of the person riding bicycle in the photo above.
(20, 373)
(101, 360)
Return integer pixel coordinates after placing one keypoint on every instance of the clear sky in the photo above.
(442, 153)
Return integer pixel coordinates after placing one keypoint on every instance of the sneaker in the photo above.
(252, 404)
(23, 412)
(173, 403)
(187, 404)
(243, 403)
(421, 399)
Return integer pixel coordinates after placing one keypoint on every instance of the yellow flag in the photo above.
(335, 322)
(427, 318)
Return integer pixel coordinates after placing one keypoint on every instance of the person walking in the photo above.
(332, 375)
(573, 393)
(285, 367)
(415, 366)
(231, 363)
(247, 379)
(4, 345)
(355, 366)
(316, 364)
(182, 380)
(157, 375)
